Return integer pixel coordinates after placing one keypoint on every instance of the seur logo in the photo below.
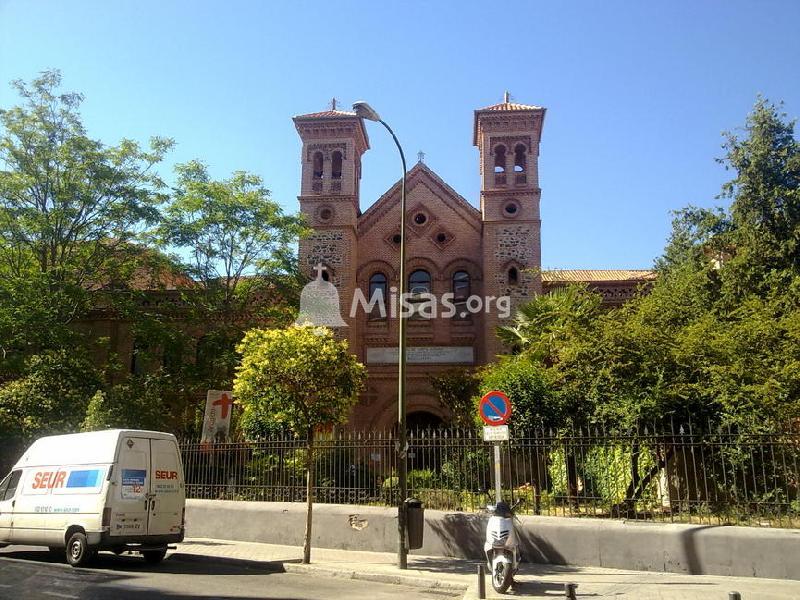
(58, 479)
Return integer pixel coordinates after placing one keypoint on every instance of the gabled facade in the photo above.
(451, 247)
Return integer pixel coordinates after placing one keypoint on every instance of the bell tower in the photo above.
(507, 136)
(333, 142)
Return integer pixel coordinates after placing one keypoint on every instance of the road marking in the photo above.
(60, 595)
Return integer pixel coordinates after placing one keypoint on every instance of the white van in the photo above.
(116, 490)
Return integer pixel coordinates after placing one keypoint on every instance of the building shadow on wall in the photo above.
(694, 565)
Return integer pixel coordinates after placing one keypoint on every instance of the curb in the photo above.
(299, 568)
(409, 580)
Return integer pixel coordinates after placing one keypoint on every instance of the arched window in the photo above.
(461, 286)
(336, 165)
(519, 158)
(317, 165)
(377, 285)
(326, 276)
(500, 159)
(513, 276)
(419, 282)
(377, 293)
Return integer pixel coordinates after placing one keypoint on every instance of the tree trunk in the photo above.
(309, 495)
(638, 485)
(635, 478)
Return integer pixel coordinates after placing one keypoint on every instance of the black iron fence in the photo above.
(677, 473)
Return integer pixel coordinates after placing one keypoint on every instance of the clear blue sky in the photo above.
(637, 93)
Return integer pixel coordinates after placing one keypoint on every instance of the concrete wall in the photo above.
(694, 549)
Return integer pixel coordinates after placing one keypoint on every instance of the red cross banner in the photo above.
(217, 420)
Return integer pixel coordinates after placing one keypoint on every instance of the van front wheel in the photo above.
(78, 552)
(153, 557)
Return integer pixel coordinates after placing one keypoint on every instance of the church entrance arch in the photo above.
(422, 412)
(423, 419)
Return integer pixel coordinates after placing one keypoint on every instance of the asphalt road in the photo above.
(31, 573)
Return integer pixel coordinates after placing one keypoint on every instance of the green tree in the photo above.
(232, 232)
(765, 194)
(36, 315)
(70, 207)
(69, 203)
(238, 245)
(457, 389)
(525, 383)
(136, 404)
(51, 398)
(300, 377)
(542, 324)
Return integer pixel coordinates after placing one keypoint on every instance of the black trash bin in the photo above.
(415, 523)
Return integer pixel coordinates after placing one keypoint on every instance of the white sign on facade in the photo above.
(217, 420)
(495, 433)
(423, 355)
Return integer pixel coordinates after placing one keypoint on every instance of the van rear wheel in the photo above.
(153, 557)
(79, 554)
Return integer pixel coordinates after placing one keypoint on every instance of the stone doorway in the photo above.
(422, 419)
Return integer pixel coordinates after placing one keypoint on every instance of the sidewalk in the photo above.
(458, 578)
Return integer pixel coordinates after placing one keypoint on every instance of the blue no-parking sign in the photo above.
(495, 408)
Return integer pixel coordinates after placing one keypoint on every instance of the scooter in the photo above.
(501, 546)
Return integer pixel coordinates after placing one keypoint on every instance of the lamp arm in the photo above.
(397, 143)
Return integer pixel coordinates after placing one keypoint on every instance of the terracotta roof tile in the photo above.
(510, 106)
(596, 275)
(327, 113)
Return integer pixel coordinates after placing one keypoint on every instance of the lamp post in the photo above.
(364, 110)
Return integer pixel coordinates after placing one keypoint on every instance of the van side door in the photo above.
(167, 488)
(130, 498)
(8, 490)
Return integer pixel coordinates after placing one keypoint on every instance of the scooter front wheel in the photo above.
(502, 574)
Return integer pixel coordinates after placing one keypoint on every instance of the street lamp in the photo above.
(365, 111)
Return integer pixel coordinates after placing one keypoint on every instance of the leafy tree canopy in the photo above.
(51, 398)
(68, 202)
(232, 232)
(300, 377)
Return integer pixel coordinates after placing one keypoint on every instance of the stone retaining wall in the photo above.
(694, 549)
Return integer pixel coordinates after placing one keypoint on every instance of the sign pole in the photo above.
(495, 410)
(498, 496)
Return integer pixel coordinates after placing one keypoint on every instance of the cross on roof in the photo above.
(421, 156)
(333, 103)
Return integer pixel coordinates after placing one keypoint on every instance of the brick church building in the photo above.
(451, 246)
